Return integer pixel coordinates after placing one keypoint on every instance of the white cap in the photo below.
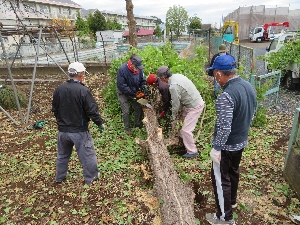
(79, 67)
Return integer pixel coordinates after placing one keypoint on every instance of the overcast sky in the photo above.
(210, 11)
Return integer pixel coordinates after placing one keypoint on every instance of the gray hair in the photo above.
(73, 73)
(165, 74)
(229, 72)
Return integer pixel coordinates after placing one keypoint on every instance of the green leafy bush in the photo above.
(288, 54)
(153, 58)
(7, 98)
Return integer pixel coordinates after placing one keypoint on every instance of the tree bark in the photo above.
(131, 23)
(176, 199)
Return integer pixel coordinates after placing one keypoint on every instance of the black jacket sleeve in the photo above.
(91, 109)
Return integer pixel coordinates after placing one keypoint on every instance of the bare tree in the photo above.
(131, 23)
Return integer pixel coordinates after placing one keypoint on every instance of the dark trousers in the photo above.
(125, 102)
(225, 180)
(85, 150)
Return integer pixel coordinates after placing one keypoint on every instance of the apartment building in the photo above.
(148, 23)
(36, 12)
(33, 13)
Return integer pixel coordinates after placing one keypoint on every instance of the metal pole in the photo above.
(61, 44)
(33, 74)
(19, 45)
(52, 59)
(10, 76)
(209, 44)
(8, 116)
(76, 51)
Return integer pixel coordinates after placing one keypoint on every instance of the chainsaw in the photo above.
(141, 98)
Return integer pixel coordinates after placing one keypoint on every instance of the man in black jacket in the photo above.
(73, 106)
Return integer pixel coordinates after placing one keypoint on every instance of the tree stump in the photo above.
(176, 199)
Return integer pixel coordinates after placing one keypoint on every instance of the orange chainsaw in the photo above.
(141, 98)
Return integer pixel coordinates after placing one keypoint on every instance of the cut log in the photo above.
(176, 199)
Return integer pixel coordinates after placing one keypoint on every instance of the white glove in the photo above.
(215, 155)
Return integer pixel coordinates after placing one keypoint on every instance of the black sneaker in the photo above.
(190, 156)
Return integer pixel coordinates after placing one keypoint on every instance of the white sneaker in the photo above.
(234, 206)
(214, 220)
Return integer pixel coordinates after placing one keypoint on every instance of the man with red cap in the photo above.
(163, 88)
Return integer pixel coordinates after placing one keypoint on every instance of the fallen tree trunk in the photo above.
(176, 199)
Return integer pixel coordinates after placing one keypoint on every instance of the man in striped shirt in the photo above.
(235, 108)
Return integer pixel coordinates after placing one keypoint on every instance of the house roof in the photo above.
(85, 12)
(140, 32)
(66, 1)
(205, 26)
(58, 2)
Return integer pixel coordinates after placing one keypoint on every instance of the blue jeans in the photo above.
(85, 150)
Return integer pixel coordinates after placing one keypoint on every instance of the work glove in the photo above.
(101, 128)
(215, 155)
(162, 114)
(132, 96)
(145, 90)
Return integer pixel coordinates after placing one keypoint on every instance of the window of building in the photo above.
(44, 9)
(29, 7)
(65, 11)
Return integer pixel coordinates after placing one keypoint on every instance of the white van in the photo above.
(291, 76)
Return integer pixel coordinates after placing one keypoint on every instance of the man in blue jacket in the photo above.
(131, 80)
(235, 108)
(74, 106)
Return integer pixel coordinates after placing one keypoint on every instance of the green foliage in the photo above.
(176, 20)
(158, 20)
(82, 26)
(96, 22)
(7, 98)
(158, 31)
(195, 24)
(164, 55)
(113, 24)
(288, 54)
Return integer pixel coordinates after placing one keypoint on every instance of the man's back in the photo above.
(73, 106)
(184, 88)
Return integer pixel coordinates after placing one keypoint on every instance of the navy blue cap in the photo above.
(137, 61)
(223, 62)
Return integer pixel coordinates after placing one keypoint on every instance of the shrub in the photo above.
(7, 98)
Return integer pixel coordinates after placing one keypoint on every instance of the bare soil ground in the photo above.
(30, 195)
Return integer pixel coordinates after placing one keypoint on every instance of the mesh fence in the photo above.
(104, 54)
(242, 54)
(272, 82)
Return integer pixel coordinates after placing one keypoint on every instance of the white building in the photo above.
(109, 36)
(37, 12)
